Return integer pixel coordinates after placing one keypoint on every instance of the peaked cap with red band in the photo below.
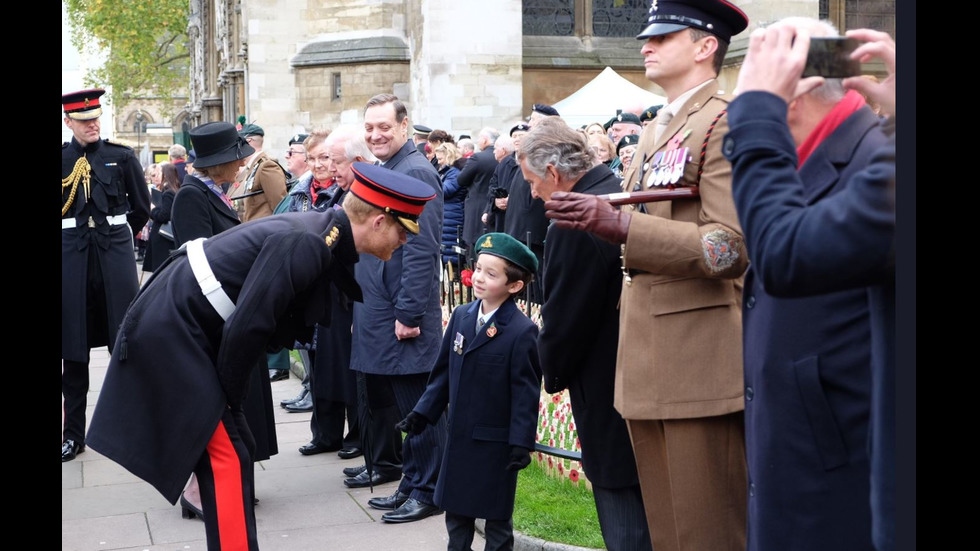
(395, 193)
(83, 105)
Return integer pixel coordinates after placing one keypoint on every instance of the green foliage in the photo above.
(146, 44)
(556, 509)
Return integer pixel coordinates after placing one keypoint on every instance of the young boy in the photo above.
(488, 373)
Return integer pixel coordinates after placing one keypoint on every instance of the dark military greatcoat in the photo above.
(98, 263)
(178, 364)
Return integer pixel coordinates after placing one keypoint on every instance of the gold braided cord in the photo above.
(80, 173)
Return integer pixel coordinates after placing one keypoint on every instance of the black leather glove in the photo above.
(581, 211)
(413, 423)
(520, 457)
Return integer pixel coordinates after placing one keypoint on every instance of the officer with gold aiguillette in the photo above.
(104, 202)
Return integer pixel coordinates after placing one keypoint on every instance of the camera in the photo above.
(831, 58)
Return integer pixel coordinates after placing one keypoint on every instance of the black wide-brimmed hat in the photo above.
(217, 143)
(719, 17)
(399, 195)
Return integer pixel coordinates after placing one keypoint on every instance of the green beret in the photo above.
(649, 113)
(251, 130)
(628, 118)
(629, 139)
(508, 248)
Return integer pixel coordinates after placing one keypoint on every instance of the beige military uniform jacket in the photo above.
(680, 339)
(263, 173)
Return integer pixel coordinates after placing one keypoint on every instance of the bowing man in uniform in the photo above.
(173, 394)
(104, 202)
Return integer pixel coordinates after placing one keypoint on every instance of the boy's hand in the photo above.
(520, 457)
(413, 423)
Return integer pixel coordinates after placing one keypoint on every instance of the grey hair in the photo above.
(553, 142)
(466, 144)
(177, 151)
(491, 134)
(353, 139)
(506, 143)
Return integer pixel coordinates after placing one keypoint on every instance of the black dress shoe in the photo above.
(363, 480)
(69, 449)
(299, 398)
(188, 510)
(278, 375)
(303, 406)
(313, 449)
(351, 472)
(391, 502)
(410, 511)
(350, 453)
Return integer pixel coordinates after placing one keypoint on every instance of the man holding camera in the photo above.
(808, 335)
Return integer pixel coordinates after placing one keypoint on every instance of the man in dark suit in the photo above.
(475, 177)
(495, 214)
(577, 345)
(817, 237)
(525, 220)
(102, 192)
(398, 330)
(178, 157)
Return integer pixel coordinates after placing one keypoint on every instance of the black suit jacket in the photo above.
(525, 214)
(580, 335)
(198, 212)
(475, 177)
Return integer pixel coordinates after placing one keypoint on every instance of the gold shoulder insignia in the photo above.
(331, 238)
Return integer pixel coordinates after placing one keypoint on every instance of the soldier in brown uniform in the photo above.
(679, 363)
(262, 183)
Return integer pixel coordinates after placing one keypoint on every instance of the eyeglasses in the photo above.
(290, 153)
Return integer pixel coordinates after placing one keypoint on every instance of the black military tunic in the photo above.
(98, 267)
(178, 364)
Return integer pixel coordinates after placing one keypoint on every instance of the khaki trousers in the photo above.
(693, 478)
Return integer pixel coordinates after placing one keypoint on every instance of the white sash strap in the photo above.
(210, 286)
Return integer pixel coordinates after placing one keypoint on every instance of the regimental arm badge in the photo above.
(721, 249)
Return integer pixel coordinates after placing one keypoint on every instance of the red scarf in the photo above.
(317, 187)
(846, 107)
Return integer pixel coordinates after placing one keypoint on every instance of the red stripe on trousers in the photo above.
(227, 469)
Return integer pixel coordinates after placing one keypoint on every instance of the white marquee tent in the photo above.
(598, 100)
